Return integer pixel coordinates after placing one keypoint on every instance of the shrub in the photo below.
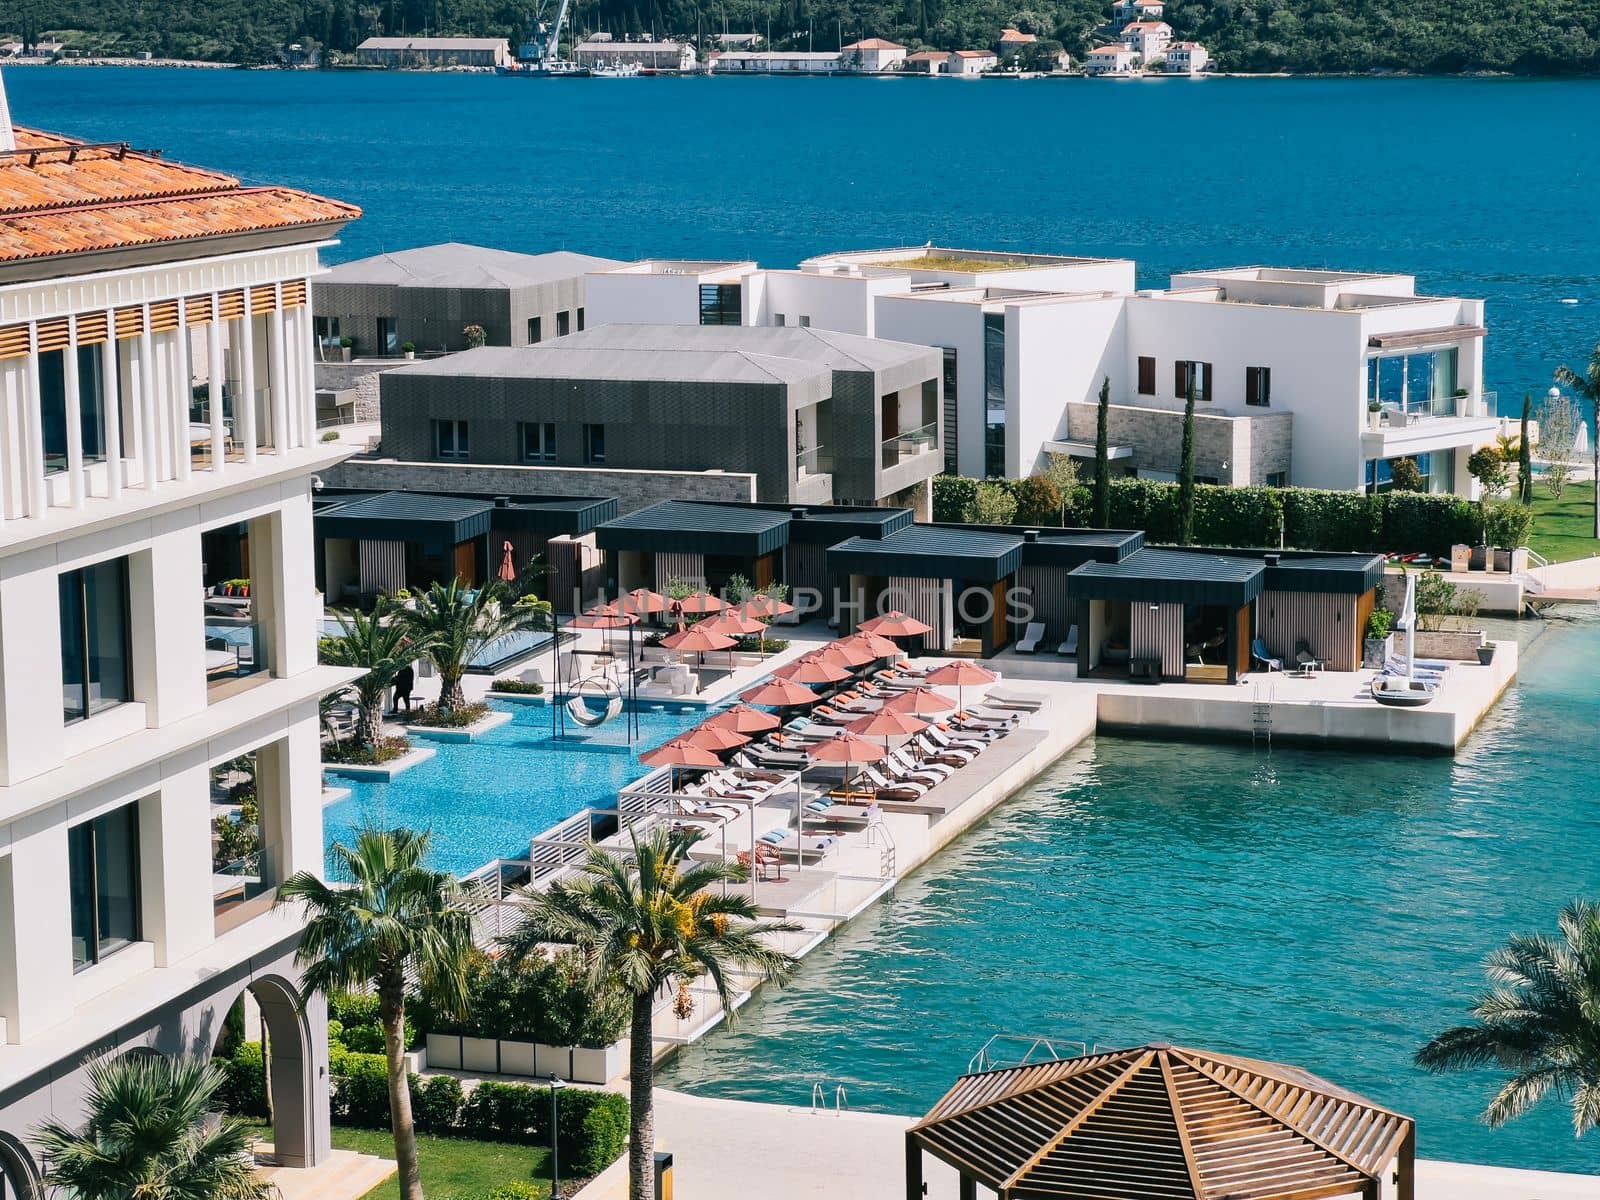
(360, 1094)
(506, 1112)
(1507, 524)
(1039, 501)
(953, 497)
(436, 1103)
(994, 504)
(330, 435)
(517, 687)
(1488, 466)
(1379, 624)
(432, 716)
(244, 1088)
(1406, 475)
(753, 644)
(592, 1129)
(389, 749)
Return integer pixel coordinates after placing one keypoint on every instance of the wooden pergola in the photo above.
(1162, 1123)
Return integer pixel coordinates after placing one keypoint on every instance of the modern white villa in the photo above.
(1302, 377)
(157, 428)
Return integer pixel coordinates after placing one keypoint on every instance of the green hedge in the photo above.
(244, 1087)
(1310, 519)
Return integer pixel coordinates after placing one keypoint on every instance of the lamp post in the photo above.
(556, 1084)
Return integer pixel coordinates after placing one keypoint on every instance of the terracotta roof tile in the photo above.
(61, 196)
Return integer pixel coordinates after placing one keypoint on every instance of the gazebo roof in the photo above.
(1161, 1123)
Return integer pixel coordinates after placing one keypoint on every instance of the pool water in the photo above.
(489, 798)
(1323, 908)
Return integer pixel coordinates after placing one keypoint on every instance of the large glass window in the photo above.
(951, 410)
(721, 304)
(594, 444)
(994, 394)
(103, 873)
(1415, 383)
(1187, 374)
(95, 668)
(1258, 386)
(53, 405)
(1435, 469)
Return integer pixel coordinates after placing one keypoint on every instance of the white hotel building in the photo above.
(1286, 363)
(157, 431)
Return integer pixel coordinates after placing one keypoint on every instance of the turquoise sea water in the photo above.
(1479, 187)
(489, 798)
(1320, 908)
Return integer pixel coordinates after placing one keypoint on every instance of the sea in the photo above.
(1478, 187)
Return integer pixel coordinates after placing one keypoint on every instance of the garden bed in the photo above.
(388, 769)
(465, 724)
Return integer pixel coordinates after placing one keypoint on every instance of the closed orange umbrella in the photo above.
(744, 719)
(780, 693)
(895, 624)
(812, 670)
(714, 738)
(508, 568)
(918, 702)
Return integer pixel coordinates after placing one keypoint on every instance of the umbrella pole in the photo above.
(799, 820)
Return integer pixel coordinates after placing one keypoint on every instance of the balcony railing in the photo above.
(235, 651)
(816, 461)
(909, 443)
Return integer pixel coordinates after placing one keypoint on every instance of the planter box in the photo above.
(443, 1051)
(1460, 557)
(1519, 561)
(553, 1060)
(480, 1055)
(1479, 560)
(1458, 644)
(413, 757)
(417, 1061)
(518, 1058)
(1502, 560)
(518, 697)
(599, 1066)
(1374, 419)
(467, 733)
(1486, 654)
(1376, 651)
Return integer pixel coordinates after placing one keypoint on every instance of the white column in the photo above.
(108, 360)
(11, 440)
(73, 404)
(303, 337)
(35, 931)
(174, 835)
(219, 430)
(245, 407)
(180, 394)
(33, 419)
(280, 381)
(149, 425)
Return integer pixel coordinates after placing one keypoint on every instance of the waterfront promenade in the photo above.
(734, 1150)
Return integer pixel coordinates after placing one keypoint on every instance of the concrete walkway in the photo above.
(731, 1150)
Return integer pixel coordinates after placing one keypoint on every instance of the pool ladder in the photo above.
(819, 1098)
(1262, 698)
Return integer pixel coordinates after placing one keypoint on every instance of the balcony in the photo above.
(1443, 423)
(813, 475)
(910, 444)
(235, 654)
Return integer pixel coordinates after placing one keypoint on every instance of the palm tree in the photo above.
(1587, 387)
(452, 623)
(380, 647)
(1541, 1022)
(391, 916)
(145, 1137)
(654, 920)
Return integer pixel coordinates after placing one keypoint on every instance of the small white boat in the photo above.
(1569, 300)
(615, 70)
(1402, 693)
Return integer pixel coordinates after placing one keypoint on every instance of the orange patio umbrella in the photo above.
(765, 608)
(847, 652)
(642, 602)
(887, 723)
(743, 719)
(780, 693)
(895, 625)
(918, 702)
(679, 752)
(875, 643)
(734, 623)
(961, 675)
(812, 669)
(602, 616)
(697, 639)
(847, 748)
(700, 602)
(714, 738)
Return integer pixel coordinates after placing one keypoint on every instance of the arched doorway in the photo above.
(19, 1174)
(296, 1068)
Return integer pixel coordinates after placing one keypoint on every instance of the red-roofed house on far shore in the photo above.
(158, 441)
(1013, 41)
(1186, 58)
(924, 62)
(970, 62)
(874, 55)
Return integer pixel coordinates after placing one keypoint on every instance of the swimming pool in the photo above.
(1322, 908)
(489, 798)
(492, 656)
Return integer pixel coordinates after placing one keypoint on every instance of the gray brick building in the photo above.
(429, 294)
(817, 416)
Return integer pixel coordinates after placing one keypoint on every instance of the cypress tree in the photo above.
(1102, 459)
(1186, 471)
(1525, 454)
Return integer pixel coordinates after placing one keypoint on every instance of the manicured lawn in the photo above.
(451, 1166)
(1564, 529)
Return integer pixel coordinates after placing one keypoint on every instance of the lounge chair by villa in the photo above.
(789, 843)
(894, 789)
(1306, 663)
(912, 768)
(1028, 643)
(1259, 653)
(942, 739)
(1069, 648)
(930, 751)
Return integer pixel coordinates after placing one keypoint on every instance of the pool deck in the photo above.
(732, 1150)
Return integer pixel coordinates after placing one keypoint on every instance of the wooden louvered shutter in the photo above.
(263, 300)
(14, 341)
(1180, 379)
(230, 305)
(130, 322)
(294, 293)
(1205, 381)
(164, 316)
(197, 310)
(53, 335)
(93, 328)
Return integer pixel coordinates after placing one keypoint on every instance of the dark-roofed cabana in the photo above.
(702, 545)
(1162, 1123)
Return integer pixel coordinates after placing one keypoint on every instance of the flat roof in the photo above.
(827, 524)
(431, 43)
(561, 360)
(459, 265)
(406, 517)
(1351, 574)
(950, 258)
(1161, 576)
(687, 527)
(932, 552)
(837, 351)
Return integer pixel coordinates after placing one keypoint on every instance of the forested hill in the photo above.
(1428, 36)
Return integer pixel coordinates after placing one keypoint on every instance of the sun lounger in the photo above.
(720, 813)
(1259, 653)
(1028, 643)
(942, 739)
(895, 789)
(791, 844)
(1022, 701)
(902, 762)
(930, 750)
(1069, 648)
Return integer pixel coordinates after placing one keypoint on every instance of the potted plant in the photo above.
(1506, 525)
(409, 349)
(1486, 654)
(1379, 643)
(1374, 414)
(347, 347)
(475, 336)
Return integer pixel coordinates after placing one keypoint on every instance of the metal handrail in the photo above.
(909, 443)
(986, 1060)
(816, 461)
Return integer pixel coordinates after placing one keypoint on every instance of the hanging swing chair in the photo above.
(595, 701)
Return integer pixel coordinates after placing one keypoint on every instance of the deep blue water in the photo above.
(1319, 908)
(1478, 187)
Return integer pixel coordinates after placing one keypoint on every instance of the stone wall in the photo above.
(1236, 451)
(632, 489)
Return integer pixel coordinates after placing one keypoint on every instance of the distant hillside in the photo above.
(1431, 36)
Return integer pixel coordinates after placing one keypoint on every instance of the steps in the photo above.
(345, 1175)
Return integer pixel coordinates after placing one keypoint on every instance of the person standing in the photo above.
(404, 680)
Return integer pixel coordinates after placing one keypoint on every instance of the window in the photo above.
(388, 335)
(594, 443)
(1147, 376)
(53, 406)
(1415, 383)
(1197, 373)
(95, 645)
(1258, 386)
(103, 875)
(563, 323)
(580, 319)
(538, 441)
(994, 394)
(950, 410)
(720, 304)
(326, 330)
(777, 319)
(535, 330)
(1435, 468)
(1277, 479)
(805, 321)
(450, 439)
